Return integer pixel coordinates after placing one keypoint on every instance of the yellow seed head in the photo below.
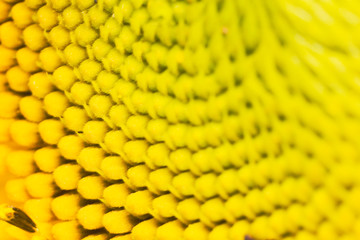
(156, 119)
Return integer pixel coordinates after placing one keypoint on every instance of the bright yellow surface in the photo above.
(156, 119)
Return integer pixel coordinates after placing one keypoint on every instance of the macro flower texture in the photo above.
(180, 119)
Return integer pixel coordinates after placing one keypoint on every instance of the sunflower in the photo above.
(169, 120)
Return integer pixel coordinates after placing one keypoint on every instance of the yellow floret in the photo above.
(188, 210)
(67, 176)
(66, 230)
(34, 4)
(5, 130)
(27, 59)
(59, 37)
(196, 231)
(135, 151)
(90, 158)
(84, 4)
(144, 230)
(100, 49)
(39, 209)
(215, 210)
(137, 176)
(113, 167)
(22, 15)
(32, 109)
(137, 125)
(20, 128)
(21, 163)
(164, 207)
(173, 228)
(47, 159)
(90, 216)
(113, 60)
(7, 58)
(49, 59)
(40, 185)
(59, 5)
(47, 17)
(139, 203)
(64, 78)
(219, 232)
(91, 187)
(34, 37)
(74, 54)
(89, 69)
(122, 237)
(160, 180)
(10, 104)
(10, 35)
(239, 229)
(106, 81)
(65, 207)
(55, 103)
(51, 131)
(81, 92)
(94, 131)
(72, 17)
(115, 195)
(100, 105)
(118, 221)
(3, 82)
(75, 118)
(85, 35)
(16, 190)
(95, 237)
(118, 115)
(183, 184)
(97, 16)
(4, 10)
(40, 84)
(157, 155)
